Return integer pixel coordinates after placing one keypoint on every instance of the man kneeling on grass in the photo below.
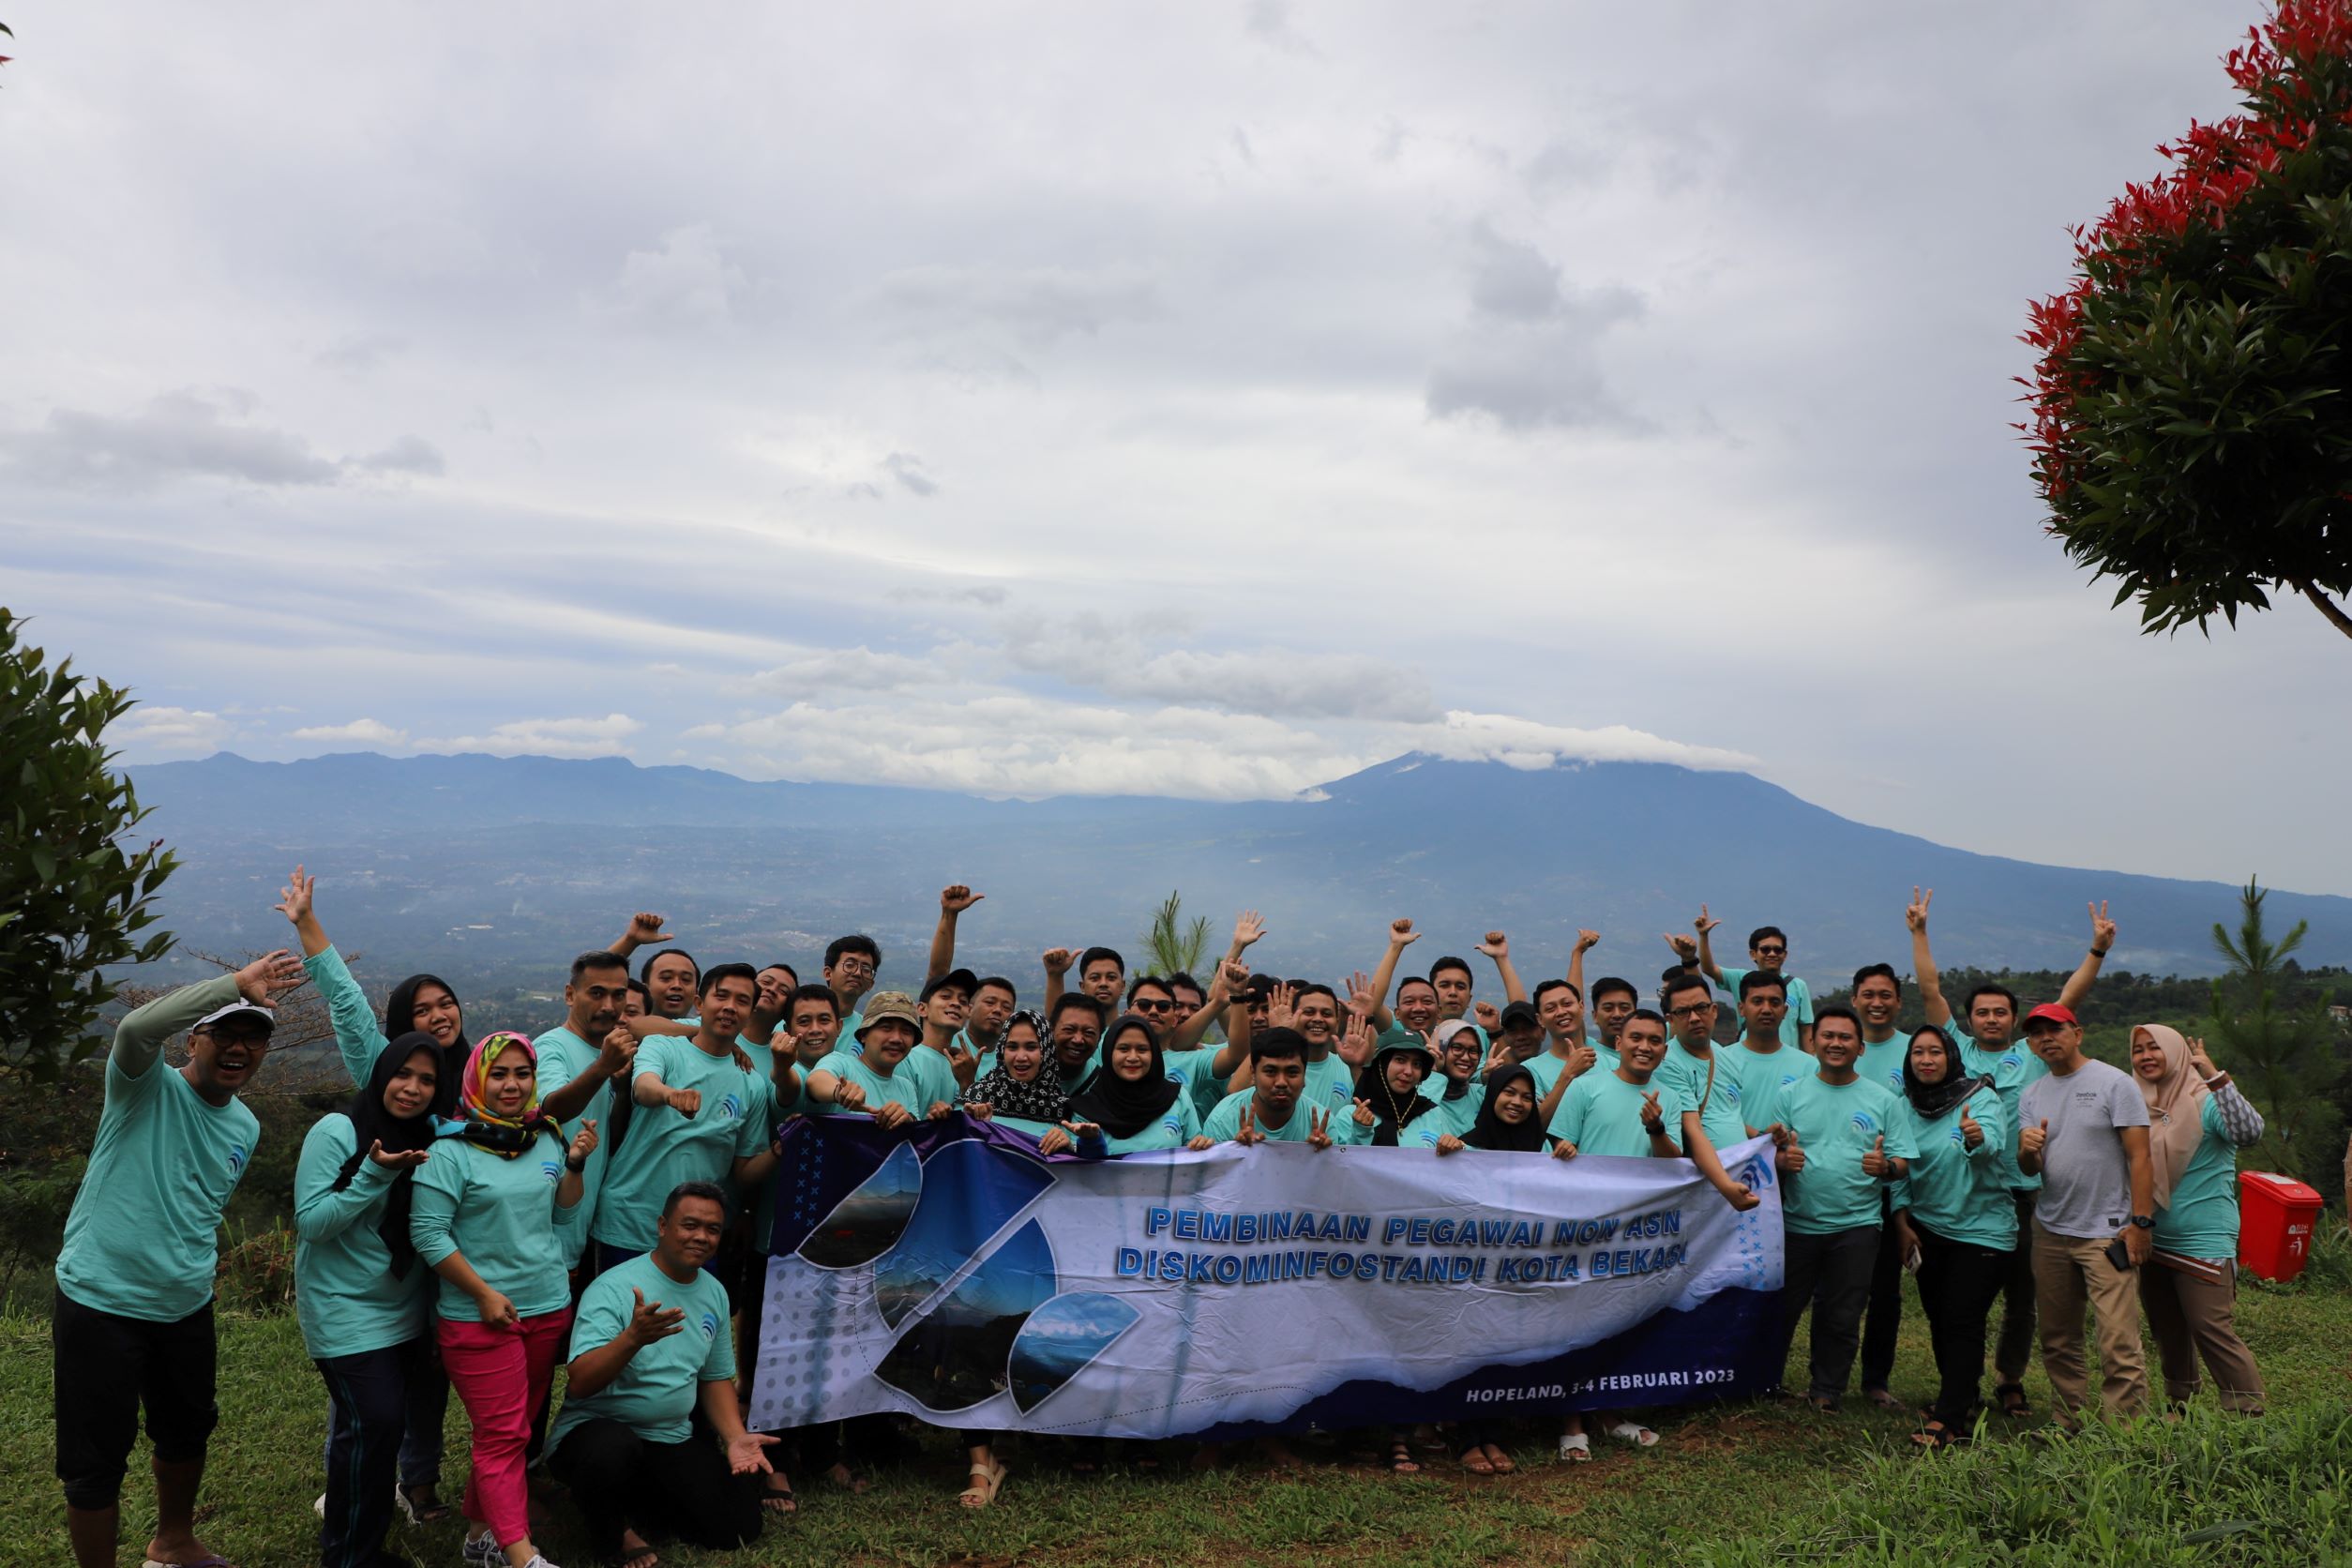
(654, 1332)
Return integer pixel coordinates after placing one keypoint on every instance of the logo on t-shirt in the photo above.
(710, 1326)
(236, 1161)
(1863, 1124)
(731, 1108)
(554, 1170)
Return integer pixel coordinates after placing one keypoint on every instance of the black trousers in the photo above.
(1883, 1321)
(1830, 1274)
(373, 1395)
(623, 1482)
(107, 1369)
(1958, 1283)
(2013, 1353)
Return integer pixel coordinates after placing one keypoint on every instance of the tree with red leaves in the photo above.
(2191, 402)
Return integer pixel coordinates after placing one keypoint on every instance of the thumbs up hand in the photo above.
(1875, 1162)
(1971, 1136)
(2032, 1138)
(1791, 1155)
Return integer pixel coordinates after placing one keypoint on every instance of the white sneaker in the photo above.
(538, 1561)
(482, 1551)
(320, 1507)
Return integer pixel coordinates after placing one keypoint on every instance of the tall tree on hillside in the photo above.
(1175, 947)
(2191, 431)
(74, 895)
(2282, 1059)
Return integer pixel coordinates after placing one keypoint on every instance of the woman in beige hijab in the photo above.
(2197, 1121)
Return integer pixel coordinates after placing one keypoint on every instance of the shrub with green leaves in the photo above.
(74, 895)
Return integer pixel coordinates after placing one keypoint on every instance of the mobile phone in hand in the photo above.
(2119, 1255)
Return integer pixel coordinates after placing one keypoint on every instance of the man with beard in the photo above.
(578, 1060)
(1989, 1048)
(133, 1324)
(651, 1350)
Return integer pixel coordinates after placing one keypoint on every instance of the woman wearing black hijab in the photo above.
(362, 1295)
(1506, 1121)
(1131, 1099)
(1391, 1084)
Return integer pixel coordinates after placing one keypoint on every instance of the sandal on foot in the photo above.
(1936, 1435)
(1635, 1433)
(645, 1557)
(1883, 1398)
(420, 1505)
(847, 1479)
(1475, 1461)
(1401, 1460)
(2011, 1399)
(778, 1499)
(1575, 1448)
(1501, 1461)
(985, 1485)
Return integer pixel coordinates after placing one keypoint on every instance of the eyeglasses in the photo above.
(1152, 1006)
(1772, 952)
(1695, 1010)
(854, 966)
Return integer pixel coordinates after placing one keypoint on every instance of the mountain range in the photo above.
(496, 870)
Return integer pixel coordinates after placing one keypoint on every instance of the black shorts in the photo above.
(106, 1369)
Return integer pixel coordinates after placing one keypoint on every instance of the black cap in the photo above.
(1521, 1012)
(954, 979)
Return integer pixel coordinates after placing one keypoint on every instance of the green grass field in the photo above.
(1735, 1484)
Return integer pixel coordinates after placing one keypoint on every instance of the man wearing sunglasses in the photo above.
(1767, 951)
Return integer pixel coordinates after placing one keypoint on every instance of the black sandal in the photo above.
(1401, 1460)
(1935, 1435)
(2012, 1400)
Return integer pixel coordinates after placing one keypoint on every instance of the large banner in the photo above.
(949, 1271)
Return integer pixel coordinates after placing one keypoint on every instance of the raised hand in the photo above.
(1685, 948)
(686, 1102)
(748, 1454)
(270, 974)
(1875, 1162)
(1971, 1135)
(1705, 922)
(1247, 1132)
(1357, 1040)
(1489, 1015)
(1586, 938)
(962, 1060)
(1235, 975)
(1563, 1149)
(1915, 913)
(955, 898)
(648, 1320)
(1498, 1055)
(1247, 929)
(646, 929)
(404, 1159)
(1058, 960)
(1401, 933)
(2101, 928)
(584, 1142)
(2202, 1063)
(1318, 1128)
(1364, 1114)
(1497, 946)
(619, 1051)
(1360, 997)
(1582, 1060)
(2031, 1139)
(1282, 1005)
(294, 899)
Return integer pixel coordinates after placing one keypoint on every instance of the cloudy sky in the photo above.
(1206, 399)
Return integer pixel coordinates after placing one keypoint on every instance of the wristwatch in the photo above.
(2145, 1222)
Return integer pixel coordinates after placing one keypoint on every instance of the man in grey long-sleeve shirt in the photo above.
(2084, 1131)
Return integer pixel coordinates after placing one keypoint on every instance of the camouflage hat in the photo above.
(889, 1004)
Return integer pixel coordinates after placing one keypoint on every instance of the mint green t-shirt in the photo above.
(934, 1074)
(1196, 1071)
(1800, 1003)
(2011, 1068)
(501, 1214)
(1710, 1087)
(1544, 1068)
(1836, 1124)
(655, 1394)
(665, 1148)
(1454, 1117)
(142, 1238)
(345, 1294)
(1331, 1085)
(1601, 1114)
(1761, 1075)
(2201, 1221)
(563, 1056)
(1881, 1062)
(358, 1037)
(1225, 1121)
(896, 1087)
(1953, 1190)
(1177, 1127)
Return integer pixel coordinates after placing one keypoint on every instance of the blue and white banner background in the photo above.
(949, 1271)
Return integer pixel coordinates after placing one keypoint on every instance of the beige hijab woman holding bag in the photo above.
(2197, 1121)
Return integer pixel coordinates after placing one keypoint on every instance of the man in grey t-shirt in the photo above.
(2084, 1131)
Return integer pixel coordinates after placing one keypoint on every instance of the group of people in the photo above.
(598, 1194)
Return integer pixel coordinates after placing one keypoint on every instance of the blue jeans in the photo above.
(387, 1409)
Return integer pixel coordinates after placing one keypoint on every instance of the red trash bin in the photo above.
(2275, 1218)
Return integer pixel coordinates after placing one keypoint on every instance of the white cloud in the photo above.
(361, 732)
(858, 669)
(187, 434)
(1111, 657)
(684, 281)
(150, 729)
(1473, 738)
(548, 737)
(1038, 306)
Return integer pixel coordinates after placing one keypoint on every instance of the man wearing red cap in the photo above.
(2084, 1131)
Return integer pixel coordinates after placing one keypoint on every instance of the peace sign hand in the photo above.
(2101, 928)
(2202, 1063)
(1317, 1129)
(1915, 913)
(1247, 1132)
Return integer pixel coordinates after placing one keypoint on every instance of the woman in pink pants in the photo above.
(484, 1216)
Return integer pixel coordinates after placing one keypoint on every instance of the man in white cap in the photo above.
(133, 1317)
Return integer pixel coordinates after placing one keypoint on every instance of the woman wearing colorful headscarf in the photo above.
(484, 1218)
(1954, 1213)
(1019, 1093)
(2197, 1121)
(1131, 1104)
(423, 1005)
(360, 1292)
